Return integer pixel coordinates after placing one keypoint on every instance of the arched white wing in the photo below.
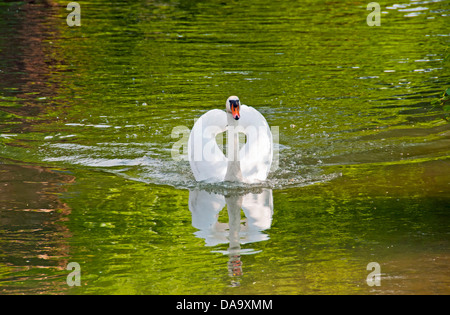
(208, 163)
(256, 154)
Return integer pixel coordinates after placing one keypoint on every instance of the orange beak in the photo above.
(235, 111)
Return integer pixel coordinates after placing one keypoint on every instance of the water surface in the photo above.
(87, 175)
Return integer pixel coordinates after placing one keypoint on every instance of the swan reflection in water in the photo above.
(258, 210)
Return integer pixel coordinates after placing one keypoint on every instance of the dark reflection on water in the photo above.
(26, 58)
(34, 246)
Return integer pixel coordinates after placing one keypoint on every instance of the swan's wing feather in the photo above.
(256, 154)
(208, 163)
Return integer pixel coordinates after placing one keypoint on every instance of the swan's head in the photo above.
(232, 106)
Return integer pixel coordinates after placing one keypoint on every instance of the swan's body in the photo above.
(251, 163)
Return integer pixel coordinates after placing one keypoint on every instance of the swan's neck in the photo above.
(234, 173)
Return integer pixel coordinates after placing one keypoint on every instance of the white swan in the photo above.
(250, 164)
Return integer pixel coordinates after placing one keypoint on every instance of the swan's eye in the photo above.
(234, 102)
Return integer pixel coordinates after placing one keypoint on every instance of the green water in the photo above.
(87, 175)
